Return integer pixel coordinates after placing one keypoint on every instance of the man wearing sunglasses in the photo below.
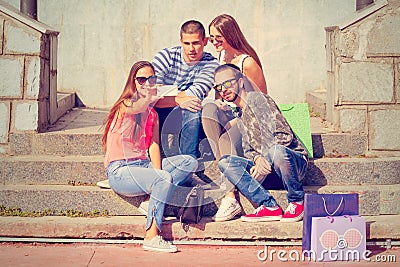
(192, 70)
(271, 151)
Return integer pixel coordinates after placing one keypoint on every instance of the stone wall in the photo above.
(25, 76)
(100, 39)
(364, 78)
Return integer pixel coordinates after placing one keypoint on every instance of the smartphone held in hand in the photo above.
(167, 90)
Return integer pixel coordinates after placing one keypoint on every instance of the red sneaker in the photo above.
(262, 214)
(294, 212)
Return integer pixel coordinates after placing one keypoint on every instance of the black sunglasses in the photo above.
(227, 84)
(142, 80)
(218, 38)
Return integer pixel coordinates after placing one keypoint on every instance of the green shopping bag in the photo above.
(298, 117)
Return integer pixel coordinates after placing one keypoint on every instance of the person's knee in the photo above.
(190, 162)
(223, 163)
(277, 154)
(225, 141)
(209, 110)
(166, 176)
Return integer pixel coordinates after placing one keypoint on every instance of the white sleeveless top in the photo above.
(240, 65)
(242, 58)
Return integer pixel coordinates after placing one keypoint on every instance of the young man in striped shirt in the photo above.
(192, 70)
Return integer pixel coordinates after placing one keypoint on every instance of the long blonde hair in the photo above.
(129, 93)
(230, 30)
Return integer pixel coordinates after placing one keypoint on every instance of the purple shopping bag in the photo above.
(321, 205)
(339, 238)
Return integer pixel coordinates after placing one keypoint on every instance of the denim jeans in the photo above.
(137, 177)
(289, 165)
(183, 121)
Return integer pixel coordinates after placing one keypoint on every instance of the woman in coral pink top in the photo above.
(133, 162)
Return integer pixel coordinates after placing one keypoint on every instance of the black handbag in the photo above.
(192, 210)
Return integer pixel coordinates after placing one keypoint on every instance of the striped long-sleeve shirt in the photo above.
(172, 69)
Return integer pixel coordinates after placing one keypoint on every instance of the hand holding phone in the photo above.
(167, 90)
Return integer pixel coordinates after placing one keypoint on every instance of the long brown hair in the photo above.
(129, 93)
(230, 30)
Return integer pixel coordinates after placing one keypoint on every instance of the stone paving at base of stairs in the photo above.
(377, 227)
(60, 255)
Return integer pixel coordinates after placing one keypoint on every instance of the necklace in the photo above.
(231, 57)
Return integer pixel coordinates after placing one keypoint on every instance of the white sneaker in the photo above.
(157, 243)
(144, 207)
(228, 209)
(104, 184)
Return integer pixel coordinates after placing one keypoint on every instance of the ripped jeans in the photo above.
(132, 178)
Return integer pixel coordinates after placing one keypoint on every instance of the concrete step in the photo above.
(56, 143)
(51, 170)
(79, 132)
(87, 144)
(65, 102)
(133, 227)
(353, 171)
(339, 144)
(317, 102)
(373, 199)
(87, 170)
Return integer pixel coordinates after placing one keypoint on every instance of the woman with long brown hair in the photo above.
(232, 46)
(133, 161)
(219, 117)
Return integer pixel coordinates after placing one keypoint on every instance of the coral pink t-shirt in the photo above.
(122, 143)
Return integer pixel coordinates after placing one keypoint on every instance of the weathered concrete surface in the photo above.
(353, 120)
(102, 48)
(11, 77)
(366, 82)
(21, 40)
(59, 170)
(385, 125)
(373, 199)
(25, 116)
(317, 102)
(353, 171)
(378, 227)
(362, 69)
(4, 121)
(339, 144)
(49, 169)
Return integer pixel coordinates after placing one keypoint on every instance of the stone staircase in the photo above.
(58, 170)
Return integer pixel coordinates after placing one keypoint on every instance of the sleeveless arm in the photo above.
(253, 71)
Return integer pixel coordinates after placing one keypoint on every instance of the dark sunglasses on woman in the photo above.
(217, 38)
(142, 80)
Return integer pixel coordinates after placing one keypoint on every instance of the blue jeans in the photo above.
(289, 165)
(137, 177)
(184, 121)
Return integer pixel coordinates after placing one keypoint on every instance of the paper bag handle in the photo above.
(333, 213)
